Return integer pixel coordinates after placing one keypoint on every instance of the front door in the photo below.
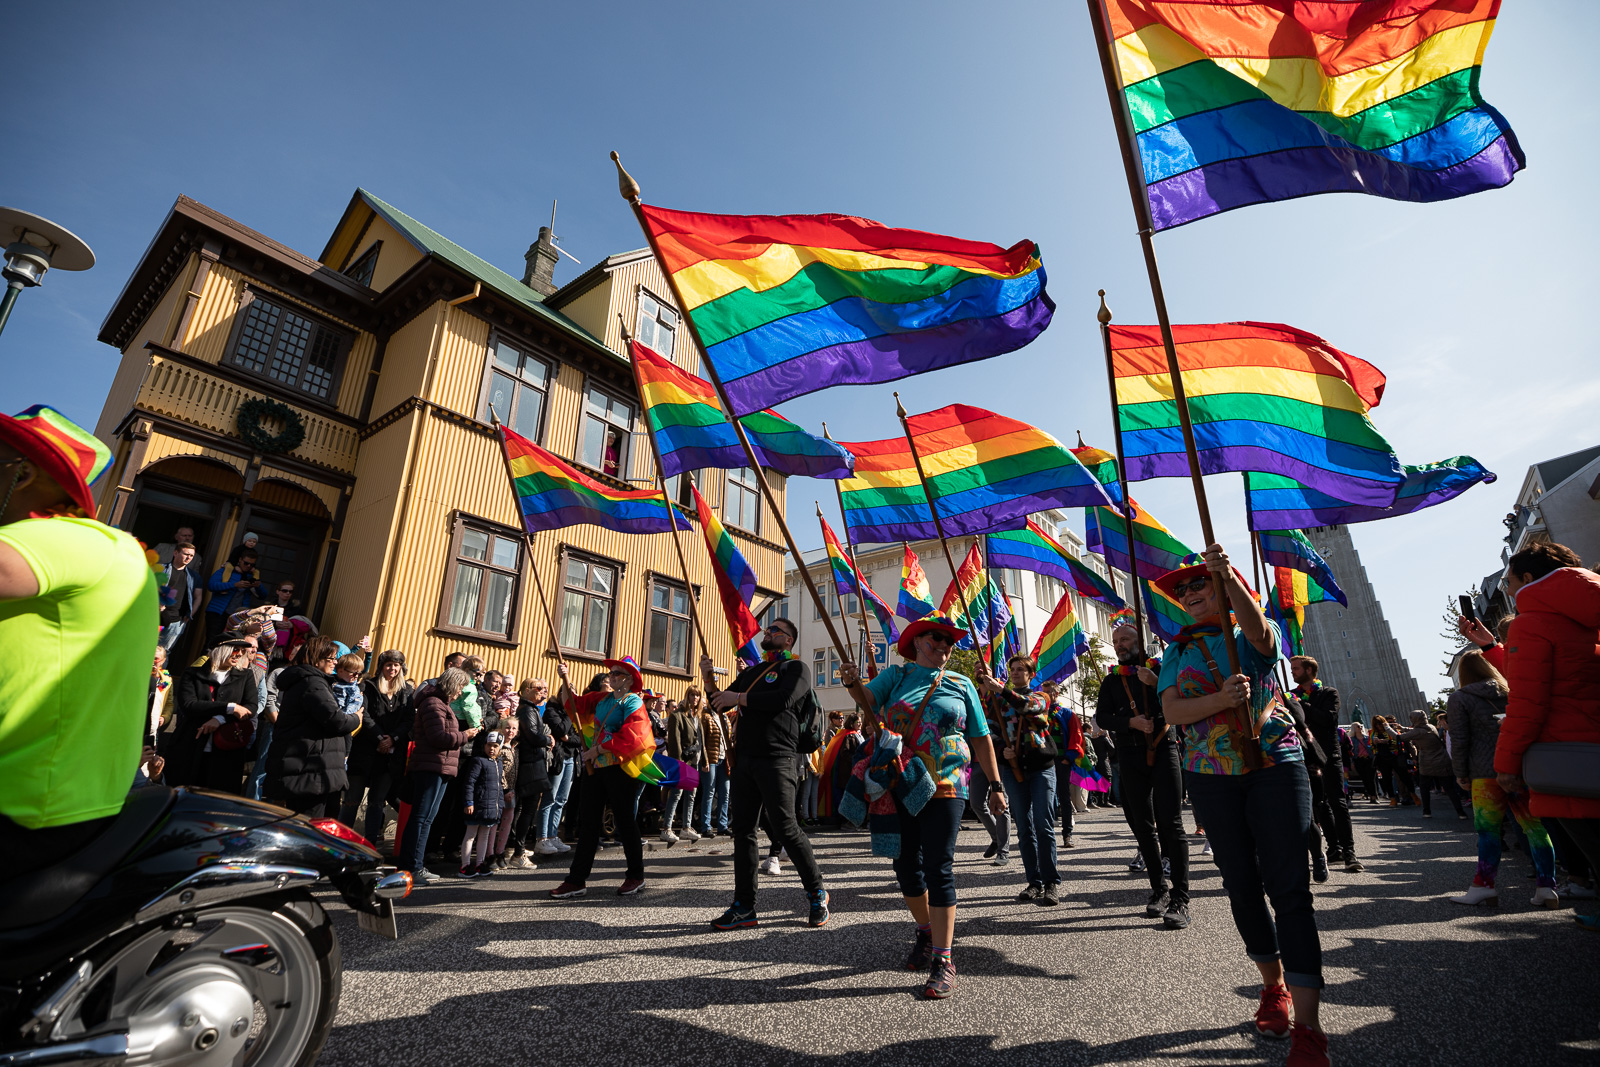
(288, 549)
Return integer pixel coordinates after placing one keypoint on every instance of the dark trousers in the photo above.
(1585, 834)
(450, 825)
(376, 786)
(528, 806)
(767, 785)
(607, 785)
(427, 792)
(1369, 778)
(1152, 802)
(1332, 810)
(1258, 824)
(1446, 785)
(926, 863)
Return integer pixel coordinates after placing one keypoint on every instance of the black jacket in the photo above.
(1321, 707)
(768, 725)
(312, 738)
(567, 739)
(533, 742)
(197, 699)
(382, 716)
(1112, 710)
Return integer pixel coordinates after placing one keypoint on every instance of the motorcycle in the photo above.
(185, 933)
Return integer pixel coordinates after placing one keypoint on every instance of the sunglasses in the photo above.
(943, 639)
(1191, 586)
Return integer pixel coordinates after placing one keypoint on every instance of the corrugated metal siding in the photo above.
(459, 376)
(405, 362)
(326, 495)
(162, 447)
(356, 588)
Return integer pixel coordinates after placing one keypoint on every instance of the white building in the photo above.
(1032, 597)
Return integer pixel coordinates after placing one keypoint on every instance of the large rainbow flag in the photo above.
(789, 304)
(1106, 532)
(1291, 593)
(986, 471)
(1033, 549)
(551, 493)
(736, 582)
(1278, 502)
(915, 596)
(847, 579)
(1294, 550)
(692, 433)
(1235, 104)
(1060, 643)
(1262, 397)
(1164, 615)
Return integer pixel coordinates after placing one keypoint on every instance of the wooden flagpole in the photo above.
(1104, 317)
(1141, 211)
(938, 526)
(631, 193)
(850, 553)
(666, 497)
(527, 535)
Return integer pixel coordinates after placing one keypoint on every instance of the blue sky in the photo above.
(983, 121)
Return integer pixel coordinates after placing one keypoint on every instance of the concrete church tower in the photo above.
(1354, 649)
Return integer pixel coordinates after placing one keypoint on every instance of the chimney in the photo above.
(542, 258)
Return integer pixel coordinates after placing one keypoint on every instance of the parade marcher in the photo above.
(1148, 760)
(1433, 765)
(1361, 758)
(915, 777)
(621, 736)
(768, 700)
(1389, 755)
(435, 760)
(1553, 669)
(998, 826)
(1320, 702)
(1030, 744)
(1252, 793)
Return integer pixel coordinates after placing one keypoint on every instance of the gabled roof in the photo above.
(1552, 472)
(594, 275)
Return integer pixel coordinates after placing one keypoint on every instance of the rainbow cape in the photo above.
(986, 473)
(786, 305)
(1262, 397)
(1060, 643)
(736, 582)
(914, 593)
(1279, 502)
(1033, 549)
(847, 579)
(633, 744)
(1233, 104)
(693, 434)
(550, 494)
(1293, 550)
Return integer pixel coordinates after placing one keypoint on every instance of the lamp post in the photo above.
(33, 246)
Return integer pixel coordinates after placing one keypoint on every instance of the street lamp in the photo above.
(33, 246)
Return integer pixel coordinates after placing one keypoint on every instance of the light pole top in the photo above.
(60, 247)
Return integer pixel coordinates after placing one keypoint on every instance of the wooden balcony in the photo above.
(194, 394)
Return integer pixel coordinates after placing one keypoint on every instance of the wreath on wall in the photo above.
(250, 416)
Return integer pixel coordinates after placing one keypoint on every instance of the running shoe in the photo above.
(1319, 868)
(630, 886)
(1001, 860)
(921, 951)
(1308, 1048)
(1157, 904)
(1272, 1018)
(567, 890)
(1353, 865)
(1588, 922)
(819, 908)
(1031, 894)
(468, 871)
(942, 982)
(737, 917)
(1206, 851)
(1051, 895)
(1136, 864)
(770, 866)
(1176, 917)
(425, 877)
(668, 837)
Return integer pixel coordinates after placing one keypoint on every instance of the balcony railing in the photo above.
(196, 396)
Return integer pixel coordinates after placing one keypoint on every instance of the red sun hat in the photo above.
(70, 455)
(935, 622)
(1168, 583)
(627, 664)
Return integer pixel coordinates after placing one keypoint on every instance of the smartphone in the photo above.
(1468, 612)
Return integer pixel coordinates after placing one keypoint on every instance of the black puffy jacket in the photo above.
(382, 716)
(312, 739)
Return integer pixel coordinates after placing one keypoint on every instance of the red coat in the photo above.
(1553, 667)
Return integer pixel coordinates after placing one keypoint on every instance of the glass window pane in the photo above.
(659, 595)
(497, 604)
(464, 598)
(595, 401)
(535, 372)
(571, 618)
(665, 337)
(648, 308)
(577, 573)
(657, 649)
(819, 669)
(501, 390)
(530, 405)
(594, 443)
(680, 602)
(474, 544)
(507, 356)
(599, 625)
(505, 552)
(680, 644)
(255, 336)
(600, 579)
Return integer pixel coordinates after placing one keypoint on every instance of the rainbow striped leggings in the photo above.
(1489, 806)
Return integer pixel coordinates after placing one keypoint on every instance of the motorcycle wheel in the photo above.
(282, 950)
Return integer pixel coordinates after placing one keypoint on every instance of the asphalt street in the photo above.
(493, 971)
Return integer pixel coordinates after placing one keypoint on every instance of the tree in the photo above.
(965, 661)
(1091, 672)
(1452, 630)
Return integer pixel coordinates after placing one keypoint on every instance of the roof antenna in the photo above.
(555, 242)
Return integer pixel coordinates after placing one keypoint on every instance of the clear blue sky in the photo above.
(983, 121)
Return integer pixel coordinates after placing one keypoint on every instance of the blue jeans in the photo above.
(258, 773)
(1258, 825)
(1033, 806)
(427, 791)
(555, 802)
(713, 807)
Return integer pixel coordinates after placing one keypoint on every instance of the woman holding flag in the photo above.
(620, 745)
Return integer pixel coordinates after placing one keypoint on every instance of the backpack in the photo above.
(813, 723)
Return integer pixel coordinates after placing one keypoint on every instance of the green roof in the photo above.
(436, 244)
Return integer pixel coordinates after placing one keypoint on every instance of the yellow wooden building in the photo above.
(378, 361)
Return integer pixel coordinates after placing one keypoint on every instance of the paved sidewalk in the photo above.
(492, 972)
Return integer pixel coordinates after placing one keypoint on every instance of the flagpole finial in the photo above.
(622, 324)
(494, 420)
(1080, 440)
(825, 431)
(899, 408)
(1104, 314)
(625, 183)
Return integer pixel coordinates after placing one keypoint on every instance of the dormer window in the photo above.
(361, 269)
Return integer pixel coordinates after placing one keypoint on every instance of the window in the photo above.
(819, 668)
(678, 486)
(361, 269)
(667, 643)
(778, 609)
(607, 425)
(286, 346)
(1009, 578)
(849, 602)
(587, 598)
(481, 580)
(515, 389)
(1047, 591)
(742, 508)
(657, 326)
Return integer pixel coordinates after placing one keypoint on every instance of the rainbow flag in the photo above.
(1235, 104)
(674, 773)
(1106, 532)
(1103, 465)
(1276, 501)
(1294, 550)
(964, 599)
(1032, 549)
(693, 434)
(1004, 645)
(786, 305)
(550, 494)
(986, 472)
(736, 582)
(1060, 643)
(1164, 615)
(847, 579)
(1262, 397)
(914, 592)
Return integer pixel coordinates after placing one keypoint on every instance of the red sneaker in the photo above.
(1308, 1048)
(630, 887)
(567, 890)
(1272, 1018)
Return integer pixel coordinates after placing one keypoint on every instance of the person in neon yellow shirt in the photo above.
(79, 611)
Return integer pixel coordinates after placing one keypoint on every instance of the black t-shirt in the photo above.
(769, 723)
(1113, 710)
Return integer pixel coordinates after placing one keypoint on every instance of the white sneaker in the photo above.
(1479, 894)
(770, 866)
(1206, 851)
(669, 837)
(522, 862)
(560, 845)
(690, 835)
(1545, 897)
(547, 846)
(1576, 891)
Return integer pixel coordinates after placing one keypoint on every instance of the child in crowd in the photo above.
(468, 712)
(347, 682)
(483, 793)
